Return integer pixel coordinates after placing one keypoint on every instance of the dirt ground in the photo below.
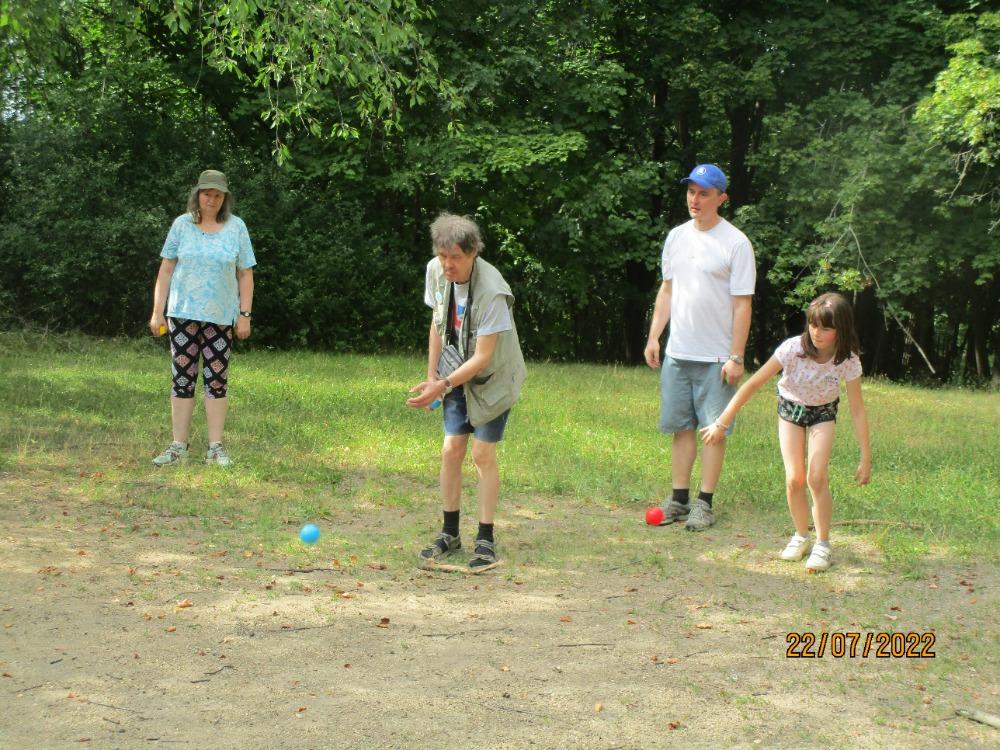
(118, 636)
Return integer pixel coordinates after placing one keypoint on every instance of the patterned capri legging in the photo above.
(214, 342)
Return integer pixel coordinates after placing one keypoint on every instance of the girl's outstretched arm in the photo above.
(860, 417)
(714, 433)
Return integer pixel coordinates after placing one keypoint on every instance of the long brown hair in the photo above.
(831, 310)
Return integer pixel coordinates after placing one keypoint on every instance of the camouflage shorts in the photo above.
(807, 416)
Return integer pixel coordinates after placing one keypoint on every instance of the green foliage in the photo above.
(964, 110)
(857, 141)
(963, 113)
(330, 67)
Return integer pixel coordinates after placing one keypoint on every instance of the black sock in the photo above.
(485, 531)
(681, 496)
(451, 522)
(706, 496)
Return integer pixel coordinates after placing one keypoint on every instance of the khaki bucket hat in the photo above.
(212, 179)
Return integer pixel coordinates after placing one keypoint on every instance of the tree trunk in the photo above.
(637, 305)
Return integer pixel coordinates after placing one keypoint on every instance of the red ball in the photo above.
(654, 515)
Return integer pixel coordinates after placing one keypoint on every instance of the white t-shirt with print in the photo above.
(496, 319)
(706, 270)
(806, 381)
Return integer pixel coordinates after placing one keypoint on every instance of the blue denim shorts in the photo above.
(456, 420)
(692, 395)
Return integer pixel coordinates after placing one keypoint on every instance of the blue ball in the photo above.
(435, 404)
(309, 533)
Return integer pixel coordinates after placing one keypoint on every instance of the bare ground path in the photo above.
(142, 634)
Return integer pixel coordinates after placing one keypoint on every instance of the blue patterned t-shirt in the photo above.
(204, 285)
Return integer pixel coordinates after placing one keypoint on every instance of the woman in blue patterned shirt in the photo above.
(203, 295)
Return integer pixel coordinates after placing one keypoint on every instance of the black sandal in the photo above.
(484, 557)
(442, 546)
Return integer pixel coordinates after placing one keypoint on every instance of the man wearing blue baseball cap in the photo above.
(708, 283)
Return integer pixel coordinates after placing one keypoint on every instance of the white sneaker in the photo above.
(217, 455)
(172, 454)
(796, 548)
(821, 557)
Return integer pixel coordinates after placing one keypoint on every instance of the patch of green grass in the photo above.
(327, 438)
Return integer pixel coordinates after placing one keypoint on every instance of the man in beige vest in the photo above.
(472, 307)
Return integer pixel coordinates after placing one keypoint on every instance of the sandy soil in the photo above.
(118, 636)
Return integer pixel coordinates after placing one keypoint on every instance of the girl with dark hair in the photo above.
(813, 365)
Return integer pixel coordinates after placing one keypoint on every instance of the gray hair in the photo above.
(449, 230)
(195, 210)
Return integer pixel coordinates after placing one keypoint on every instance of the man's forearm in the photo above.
(742, 309)
(433, 352)
(661, 314)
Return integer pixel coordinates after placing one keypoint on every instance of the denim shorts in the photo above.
(807, 416)
(456, 420)
(692, 395)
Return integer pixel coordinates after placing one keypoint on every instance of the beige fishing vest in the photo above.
(497, 386)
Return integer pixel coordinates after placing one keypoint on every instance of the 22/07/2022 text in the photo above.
(885, 645)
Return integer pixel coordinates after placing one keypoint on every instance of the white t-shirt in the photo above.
(806, 381)
(707, 269)
(496, 319)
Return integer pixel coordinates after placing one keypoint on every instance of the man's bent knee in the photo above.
(453, 451)
(484, 455)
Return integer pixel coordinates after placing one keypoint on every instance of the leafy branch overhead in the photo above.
(964, 110)
(330, 67)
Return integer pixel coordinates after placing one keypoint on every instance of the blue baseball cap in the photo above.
(708, 176)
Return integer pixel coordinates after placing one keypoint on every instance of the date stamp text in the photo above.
(839, 645)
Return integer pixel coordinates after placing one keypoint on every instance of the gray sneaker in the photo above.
(673, 512)
(701, 516)
(442, 546)
(172, 454)
(217, 455)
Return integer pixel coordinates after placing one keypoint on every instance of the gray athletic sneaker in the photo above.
(172, 454)
(217, 455)
(701, 516)
(442, 546)
(673, 512)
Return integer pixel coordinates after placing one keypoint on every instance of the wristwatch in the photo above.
(245, 313)
(448, 387)
(738, 359)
